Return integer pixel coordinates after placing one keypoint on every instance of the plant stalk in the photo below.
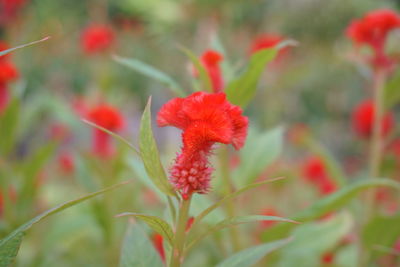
(180, 234)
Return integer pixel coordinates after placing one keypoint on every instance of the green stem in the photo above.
(180, 234)
(230, 188)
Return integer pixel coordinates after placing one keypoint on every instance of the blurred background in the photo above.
(316, 83)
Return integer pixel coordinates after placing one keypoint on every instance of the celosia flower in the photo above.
(314, 170)
(157, 241)
(97, 38)
(211, 61)
(363, 119)
(9, 9)
(66, 163)
(265, 41)
(8, 72)
(205, 119)
(372, 30)
(109, 118)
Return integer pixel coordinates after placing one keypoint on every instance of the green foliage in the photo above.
(392, 92)
(137, 249)
(150, 156)
(251, 256)
(242, 90)
(157, 224)
(260, 150)
(152, 73)
(9, 120)
(9, 245)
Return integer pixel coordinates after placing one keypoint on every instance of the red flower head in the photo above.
(363, 118)
(157, 241)
(109, 118)
(8, 72)
(372, 30)
(9, 9)
(97, 38)
(205, 119)
(211, 60)
(314, 170)
(327, 258)
(265, 41)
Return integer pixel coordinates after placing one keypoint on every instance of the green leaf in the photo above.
(251, 256)
(312, 240)
(137, 250)
(203, 75)
(236, 221)
(149, 154)
(392, 92)
(333, 202)
(9, 245)
(260, 151)
(9, 120)
(151, 72)
(242, 90)
(117, 136)
(157, 224)
(381, 231)
(228, 197)
(4, 52)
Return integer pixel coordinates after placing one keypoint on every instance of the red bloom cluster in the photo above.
(265, 41)
(9, 9)
(8, 73)
(97, 39)
(314, 170)
(109, 118)
(363, 120)
(205, 119)
(211, 61)
(372, 30)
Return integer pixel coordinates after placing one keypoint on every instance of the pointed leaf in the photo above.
(157, 224)
(9, 245)
(151, 72)
(242, 90)
(203, 75)
(2, 53)
(137, 250)
(149, 154)
(251, 256)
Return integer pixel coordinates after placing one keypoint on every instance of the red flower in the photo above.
(265, 41)
(314, 170)
(66, 163)
(9, 9)
(328, 258)
(372, 30)
(97, 38)
(109, 118)
(157, 241)
(205, 119)
(269, 212)
(8, 72)
(211, 60)
(363, 119)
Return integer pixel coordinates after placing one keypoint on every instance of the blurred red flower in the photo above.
(97, 38)
(372, 30)
(8, 71)
(314, 170)
(265, 41)
(109, 118)
(269, 212)
(66, 163)
(205, 119)
(211, 61)
(157, 241)
(328, 258)
(363, 118)
(9, 9)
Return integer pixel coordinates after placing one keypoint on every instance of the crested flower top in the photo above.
(97, 38)
(205, 119)
(107, 117)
